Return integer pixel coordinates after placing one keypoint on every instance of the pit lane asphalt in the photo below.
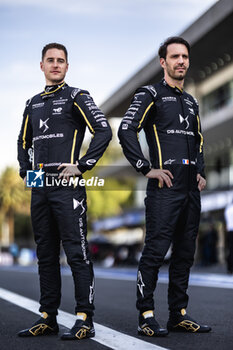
(115, 308)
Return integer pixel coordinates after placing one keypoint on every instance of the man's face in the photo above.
(176, 63)
(54, 66)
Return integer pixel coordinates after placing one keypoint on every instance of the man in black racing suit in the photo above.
(52, 133)
(170, 119)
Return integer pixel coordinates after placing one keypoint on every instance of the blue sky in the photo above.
(107, 41)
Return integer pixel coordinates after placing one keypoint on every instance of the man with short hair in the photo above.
(50, 139)
(170, 119)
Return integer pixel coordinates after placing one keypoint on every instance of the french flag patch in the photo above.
(185, 161)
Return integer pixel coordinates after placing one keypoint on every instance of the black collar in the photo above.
(176, 89)
(50, 89)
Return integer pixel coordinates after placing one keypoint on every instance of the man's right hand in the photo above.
(162, 175)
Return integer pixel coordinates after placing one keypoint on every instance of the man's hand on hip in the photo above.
(201, 182)
(162, 175)
(69, 170)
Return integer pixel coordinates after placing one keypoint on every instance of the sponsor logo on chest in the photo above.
(57, 111)
(60, 101)
(38, 105)
(169, 99)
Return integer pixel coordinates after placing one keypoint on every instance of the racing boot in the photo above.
(46, 325)
(83, 328)
(149, 326)
(179, 321)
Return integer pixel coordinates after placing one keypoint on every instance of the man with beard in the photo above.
(53, 129)
(170, 119)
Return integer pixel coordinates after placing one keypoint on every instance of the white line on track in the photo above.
(201, 279)
(196, 279)
(104, 335)
(206, 280)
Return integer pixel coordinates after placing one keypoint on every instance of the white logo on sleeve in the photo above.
(31, 154)
(139, 163)
(125, 126)
(90, 161)
(44, 123)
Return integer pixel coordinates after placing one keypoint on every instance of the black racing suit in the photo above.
(52, 133)
(169, 117)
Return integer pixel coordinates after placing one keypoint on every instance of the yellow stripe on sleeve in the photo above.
(145, 113)
(159, 148)
(24, 132)
(73, 147)
(200, 134)
(84, 116)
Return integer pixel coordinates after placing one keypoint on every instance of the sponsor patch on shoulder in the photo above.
(28, 102)
(188, 102)
(75, 92)
(151, 89)
(195, 101)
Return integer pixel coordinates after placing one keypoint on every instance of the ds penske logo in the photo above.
(76, 204)
(182, 119)
(44, 123)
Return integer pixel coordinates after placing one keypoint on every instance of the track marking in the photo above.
(201, 279)
(206, 280)
(195, 279)
(104, 335)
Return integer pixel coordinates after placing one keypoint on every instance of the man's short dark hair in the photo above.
(54, 46)
(172, 40)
